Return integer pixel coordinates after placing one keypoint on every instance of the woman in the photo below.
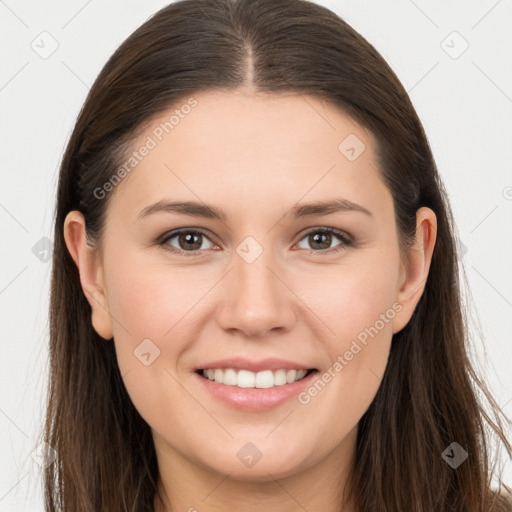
(255, 296)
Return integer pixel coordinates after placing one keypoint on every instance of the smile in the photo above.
(253, 391)
(246, 379)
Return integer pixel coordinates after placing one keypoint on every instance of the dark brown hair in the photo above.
(430, 394)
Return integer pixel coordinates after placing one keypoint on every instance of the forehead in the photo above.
(231, 147)
(278, 120)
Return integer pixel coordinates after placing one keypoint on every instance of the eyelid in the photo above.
(347, 240)
(163, 239)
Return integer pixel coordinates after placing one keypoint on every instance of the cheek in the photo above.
(351, 297)
(357, 307)
(154, 301)
(153, 308)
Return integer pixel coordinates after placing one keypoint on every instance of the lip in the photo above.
(255, 399)
(240, 363)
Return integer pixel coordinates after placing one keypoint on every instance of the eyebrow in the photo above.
(196, 209)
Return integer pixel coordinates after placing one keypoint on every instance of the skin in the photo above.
(255, 156)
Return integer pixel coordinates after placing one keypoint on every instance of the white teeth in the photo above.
(230, 377)
(291, 376)
(247, 379)
(280, 377)
(265, 379)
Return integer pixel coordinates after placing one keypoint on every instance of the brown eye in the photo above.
(185, 241)
(321, 239)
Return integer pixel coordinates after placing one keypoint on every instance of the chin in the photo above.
(249, 464)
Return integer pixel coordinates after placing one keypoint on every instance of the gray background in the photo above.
(463, 96)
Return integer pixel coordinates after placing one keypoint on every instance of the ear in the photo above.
(414, 272)
(88, 262)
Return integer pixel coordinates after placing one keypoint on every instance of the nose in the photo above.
(256, 298)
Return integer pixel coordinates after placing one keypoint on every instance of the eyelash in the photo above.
(346, 239)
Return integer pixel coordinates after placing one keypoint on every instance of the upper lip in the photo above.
(240, 363)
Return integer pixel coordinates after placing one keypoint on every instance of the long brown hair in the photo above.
(430, 395)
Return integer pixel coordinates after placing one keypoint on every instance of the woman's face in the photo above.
(262, 289)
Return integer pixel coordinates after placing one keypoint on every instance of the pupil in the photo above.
(188, 240)
(316, 239)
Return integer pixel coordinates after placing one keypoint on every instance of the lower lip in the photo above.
(255, 399)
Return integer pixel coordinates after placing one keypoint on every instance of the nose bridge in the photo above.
(255, 284)
(256, 299)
